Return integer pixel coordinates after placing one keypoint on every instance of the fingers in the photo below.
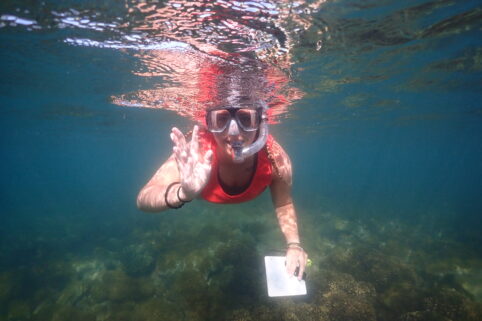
(180, 155)
(205, 166)
(179, 148)
(195, 139)
(291, 264)
(194, 169)
(194, 145)
(302, 261)
(296, 258)
(178, 138)
(208, 156)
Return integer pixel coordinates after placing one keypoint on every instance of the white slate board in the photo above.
(279, 282)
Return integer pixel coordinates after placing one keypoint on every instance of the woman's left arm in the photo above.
(286, 213)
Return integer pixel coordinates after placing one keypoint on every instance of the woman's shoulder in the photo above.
(280, 161)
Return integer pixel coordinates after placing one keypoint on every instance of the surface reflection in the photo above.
(215, 53)
(196, 82)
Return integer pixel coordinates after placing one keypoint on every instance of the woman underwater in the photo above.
(229, 158)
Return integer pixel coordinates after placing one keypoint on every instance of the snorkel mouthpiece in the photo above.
(237, 152)
(240, 153)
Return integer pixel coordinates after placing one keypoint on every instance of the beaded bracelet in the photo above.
(295, 245)
(167, 193)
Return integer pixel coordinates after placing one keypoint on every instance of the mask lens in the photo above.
(218, 120)
(247, 119)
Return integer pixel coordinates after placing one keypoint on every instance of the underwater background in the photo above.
(384, 131)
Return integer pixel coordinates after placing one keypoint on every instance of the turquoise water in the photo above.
(385, 140)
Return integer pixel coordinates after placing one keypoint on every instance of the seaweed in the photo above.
(209, 266)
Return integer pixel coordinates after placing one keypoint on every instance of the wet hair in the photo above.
(225, 86)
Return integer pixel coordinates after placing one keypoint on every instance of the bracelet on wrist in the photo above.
(166, 194)
(295, 245)
(179, 197)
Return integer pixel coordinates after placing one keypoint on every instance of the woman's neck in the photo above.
(236, 177)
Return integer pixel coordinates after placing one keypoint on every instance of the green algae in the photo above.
(206, 264)
(138, 260)
(117, 286)
(18, 310)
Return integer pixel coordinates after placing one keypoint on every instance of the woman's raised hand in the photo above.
(194, 169)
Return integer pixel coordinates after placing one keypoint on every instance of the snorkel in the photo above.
(240, 153)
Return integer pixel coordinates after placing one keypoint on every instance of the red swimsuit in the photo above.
(213, 192)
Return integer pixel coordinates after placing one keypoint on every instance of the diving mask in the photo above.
(249, 120)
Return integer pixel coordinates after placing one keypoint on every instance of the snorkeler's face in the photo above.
(233, 128)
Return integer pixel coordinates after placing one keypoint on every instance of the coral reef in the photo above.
(208, 265)
(347, 299)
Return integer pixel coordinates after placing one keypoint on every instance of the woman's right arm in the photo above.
(180, 179)
(152, 197)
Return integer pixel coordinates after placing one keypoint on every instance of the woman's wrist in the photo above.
(181, 195)
(171, 196)
(294, 245)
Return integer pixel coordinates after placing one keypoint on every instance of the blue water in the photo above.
(387, 160)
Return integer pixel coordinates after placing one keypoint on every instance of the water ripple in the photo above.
(332, 44)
